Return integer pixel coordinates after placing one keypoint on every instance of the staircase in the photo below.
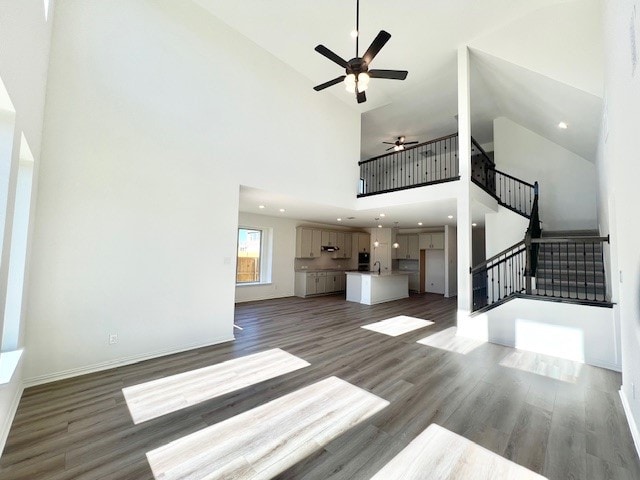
(564, 266)
(571, 269)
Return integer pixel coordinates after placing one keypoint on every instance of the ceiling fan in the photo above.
(399, 144)
(357, 73)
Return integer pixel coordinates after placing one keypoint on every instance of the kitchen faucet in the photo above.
(379, 266)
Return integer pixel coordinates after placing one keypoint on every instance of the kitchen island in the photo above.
(371, 288)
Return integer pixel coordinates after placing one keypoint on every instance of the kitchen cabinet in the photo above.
(343, 242)
(434, 241)
(319, 283)
(329, 238)
(414, 282)
(335, 282)
(407, 247)
(308, 243)
(362, 241)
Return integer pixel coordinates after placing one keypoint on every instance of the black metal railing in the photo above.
(570, 268)
(509, 191)
(534, 231)
(499, 277)
(428, 163)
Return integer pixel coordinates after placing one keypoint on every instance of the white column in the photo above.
(464, 193)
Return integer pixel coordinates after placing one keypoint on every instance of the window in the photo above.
(18, 252)
(249, 263)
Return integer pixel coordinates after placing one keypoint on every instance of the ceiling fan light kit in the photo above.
(399, 144)
(357, 73)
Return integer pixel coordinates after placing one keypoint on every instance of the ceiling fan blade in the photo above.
(322, 50)
(390, 143)
(361, 97)
(390, 148)
(329, 83)
(391, 74)
(410, 143)
(377, 44)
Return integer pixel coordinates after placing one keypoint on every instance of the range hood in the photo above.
(329, 248)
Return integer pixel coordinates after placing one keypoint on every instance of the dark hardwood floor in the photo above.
(81, 428)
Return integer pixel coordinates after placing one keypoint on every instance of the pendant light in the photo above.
(396, 244)
(376, 244)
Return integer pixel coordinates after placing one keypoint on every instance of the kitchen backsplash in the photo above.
(325, 262)
(407, 265)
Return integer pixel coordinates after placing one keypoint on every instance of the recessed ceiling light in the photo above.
(450, 217)
(379, 226)
(354, 33)
(382, 215)
(339, 219)
(563, 125)
(420, 223)
(474, 224)
(261, 206)
(282, 210)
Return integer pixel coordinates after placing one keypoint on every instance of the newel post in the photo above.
(528, 265)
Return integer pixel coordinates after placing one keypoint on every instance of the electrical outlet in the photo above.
(113, 339)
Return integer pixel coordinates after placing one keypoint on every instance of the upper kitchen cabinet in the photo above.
(308, 243)
(329, 238)
(343, 242)
(408, 247)
(362, 241)
(432, 241)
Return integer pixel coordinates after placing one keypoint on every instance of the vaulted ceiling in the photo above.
(516, 44)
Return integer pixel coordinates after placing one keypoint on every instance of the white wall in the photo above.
(503, 229)
(619, 194)
(25, 38)
(576, 332)
(567, 182)
(156, 113)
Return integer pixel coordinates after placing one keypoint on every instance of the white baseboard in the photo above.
(633, 426)
(98, 367)
(8, 421)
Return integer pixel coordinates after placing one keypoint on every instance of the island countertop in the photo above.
(370, 288)
(376, 274)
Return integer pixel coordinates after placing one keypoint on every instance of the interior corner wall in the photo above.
(567, 181)
(25, 39)
(156, 113)
(618, 188)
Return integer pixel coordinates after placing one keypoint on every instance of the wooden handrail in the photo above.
(361, 162)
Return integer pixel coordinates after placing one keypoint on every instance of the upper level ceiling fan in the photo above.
(357, 73)
(399, 144)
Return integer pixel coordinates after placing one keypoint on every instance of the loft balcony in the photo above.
(428, 163)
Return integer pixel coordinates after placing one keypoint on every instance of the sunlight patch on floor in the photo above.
(550, 367)
(169, 394)
(439, 454)
(265, 441)
(448, 340)
(398, 325)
